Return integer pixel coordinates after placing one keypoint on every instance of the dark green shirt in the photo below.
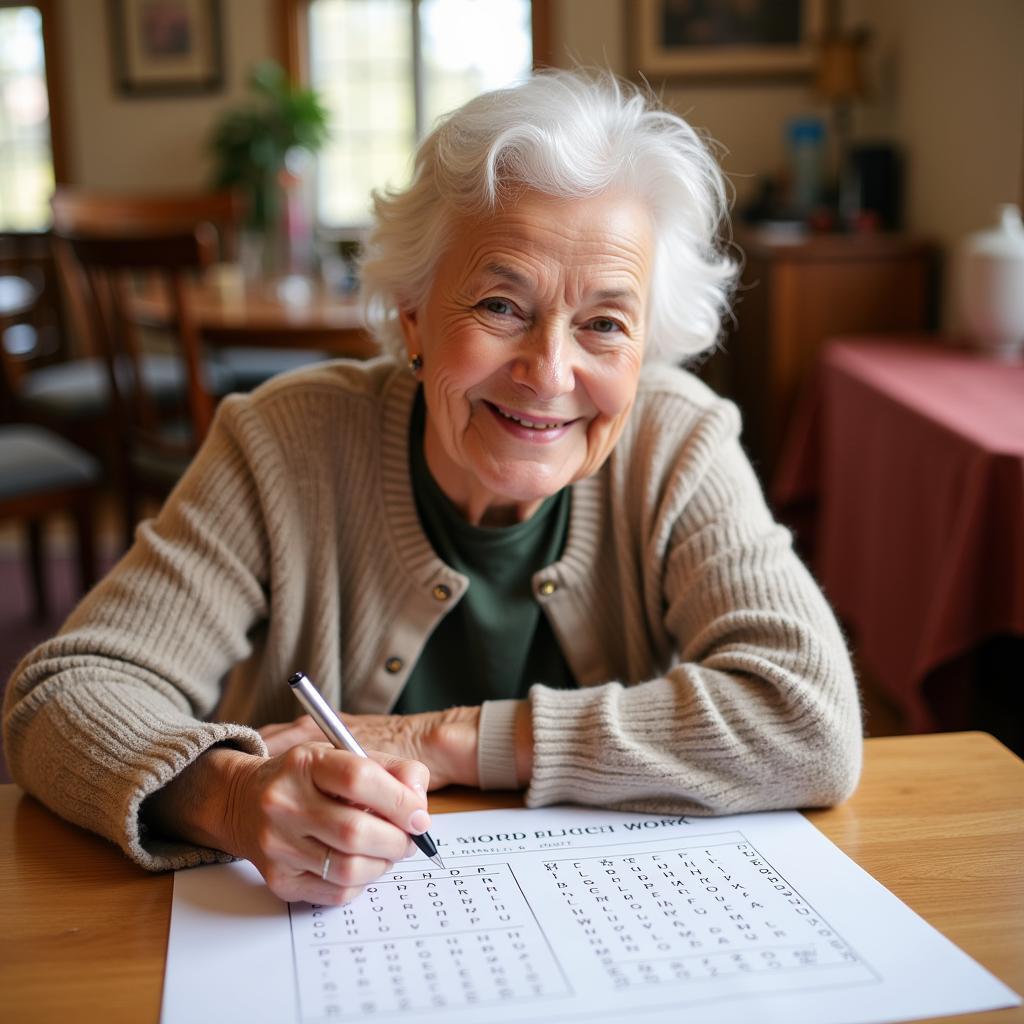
(496, 642)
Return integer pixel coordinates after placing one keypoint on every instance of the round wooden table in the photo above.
(290, 312)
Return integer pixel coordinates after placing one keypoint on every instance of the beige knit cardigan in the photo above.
(712, 675)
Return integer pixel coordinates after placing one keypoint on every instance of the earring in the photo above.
(415, 363)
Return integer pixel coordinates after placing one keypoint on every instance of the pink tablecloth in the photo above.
(916, 451)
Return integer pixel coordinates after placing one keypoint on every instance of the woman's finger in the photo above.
(273, 728)
(366, 783)
(314, 799)
(357, 833)
(291, 884)
(314, 891)
(414, 774)
(348, 872)
(282, 736)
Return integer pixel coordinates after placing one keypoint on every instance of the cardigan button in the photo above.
(547, 588)
(441, 592)
(393, 665)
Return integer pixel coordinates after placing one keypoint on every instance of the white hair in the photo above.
(566, 134)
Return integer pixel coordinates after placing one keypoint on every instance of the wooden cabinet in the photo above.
(796, 294)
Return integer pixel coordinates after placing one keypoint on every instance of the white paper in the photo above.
(570, 914)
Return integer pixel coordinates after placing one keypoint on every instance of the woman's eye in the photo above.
(501, 307)
(604, 326)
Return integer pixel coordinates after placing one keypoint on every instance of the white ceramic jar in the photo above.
(992, 286)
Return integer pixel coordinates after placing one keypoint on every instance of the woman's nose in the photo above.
(545, 364)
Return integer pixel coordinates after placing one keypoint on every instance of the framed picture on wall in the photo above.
(724, 38)
(167, 47)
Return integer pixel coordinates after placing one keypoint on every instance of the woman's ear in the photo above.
(407, 320)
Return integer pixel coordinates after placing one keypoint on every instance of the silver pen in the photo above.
(334, 729)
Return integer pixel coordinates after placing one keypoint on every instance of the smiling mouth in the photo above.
(530, 424)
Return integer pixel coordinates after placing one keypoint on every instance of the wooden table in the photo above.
(938, 819)
(266, 313)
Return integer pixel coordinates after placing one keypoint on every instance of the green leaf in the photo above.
(248, 144)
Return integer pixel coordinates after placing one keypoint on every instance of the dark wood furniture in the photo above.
(41, 474)
(63, 385)
(115, 213)
(162, 410)
(797, 293)
(258, 313)
(18, 297)
(29, 254)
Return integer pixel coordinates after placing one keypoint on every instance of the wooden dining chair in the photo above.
(160, 412)
(99, 214)
(245, 366)
(41, 474)
(68, 391)
(41, 336)
(17, 298)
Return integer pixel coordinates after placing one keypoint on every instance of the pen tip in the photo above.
(437, 860)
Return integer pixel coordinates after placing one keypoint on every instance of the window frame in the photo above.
(53, 57)
(291, 20)
(291, 30)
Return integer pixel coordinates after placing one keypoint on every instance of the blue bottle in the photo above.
(806, 138)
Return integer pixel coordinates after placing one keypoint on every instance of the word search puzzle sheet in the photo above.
(570, 914)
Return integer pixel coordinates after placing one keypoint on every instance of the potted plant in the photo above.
(260, 147)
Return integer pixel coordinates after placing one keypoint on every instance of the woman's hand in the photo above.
(445, 741)
(285, 813)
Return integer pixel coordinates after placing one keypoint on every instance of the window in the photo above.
(26, 160)
(387, 69)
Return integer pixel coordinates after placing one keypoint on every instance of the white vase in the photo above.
(992, 286)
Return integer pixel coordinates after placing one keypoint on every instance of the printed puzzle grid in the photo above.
(693, 920)
(423, 940)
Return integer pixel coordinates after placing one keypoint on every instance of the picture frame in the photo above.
(725, 39)
(167, 47)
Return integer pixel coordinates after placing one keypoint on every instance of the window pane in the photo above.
(469, 47)
(361, 61)
(26, 164)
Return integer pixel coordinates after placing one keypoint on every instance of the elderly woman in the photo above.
(520, 550)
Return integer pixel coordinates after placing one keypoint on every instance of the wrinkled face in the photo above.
(532, 338)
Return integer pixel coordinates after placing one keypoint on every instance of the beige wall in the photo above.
(747, 120)
(950, 81)
(146, 143)
(951, 87)
(947, 82)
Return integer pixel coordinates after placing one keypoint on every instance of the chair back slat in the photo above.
(101, 215)
(200, 400)
(107, 264)
(98, 303)
(74, 290)
(193, 249)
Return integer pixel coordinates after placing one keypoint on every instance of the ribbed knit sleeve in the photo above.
(754, 705)
(289, 544)
(496, 745)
